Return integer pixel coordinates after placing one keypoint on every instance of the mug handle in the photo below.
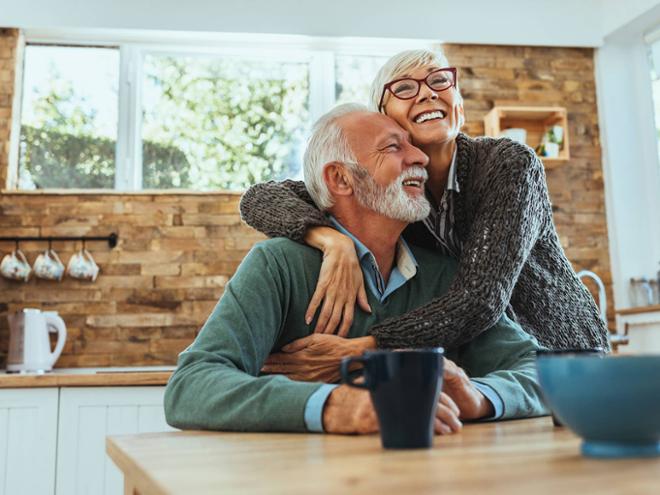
(88, 256)
(19, 254)
(54, 256)
(348, 376)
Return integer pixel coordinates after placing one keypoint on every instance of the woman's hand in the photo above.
(315, 358)
(340, 284)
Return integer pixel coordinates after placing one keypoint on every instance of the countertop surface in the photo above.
(513, 457)
(639, 310)
(89, 377)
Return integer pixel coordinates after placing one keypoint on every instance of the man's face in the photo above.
(391, 171)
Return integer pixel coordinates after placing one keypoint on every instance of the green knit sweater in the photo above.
(217, 384)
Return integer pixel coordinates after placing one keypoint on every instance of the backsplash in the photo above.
(155, 289)
(177, 251)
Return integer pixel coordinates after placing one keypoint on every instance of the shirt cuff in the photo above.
(493, 397)
(314, 408)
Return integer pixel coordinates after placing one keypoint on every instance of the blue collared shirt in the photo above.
(405, 266)
(440, 221)
(404, 269)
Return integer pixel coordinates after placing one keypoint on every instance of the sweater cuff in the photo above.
(314, 408)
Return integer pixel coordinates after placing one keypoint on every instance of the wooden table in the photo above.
(525, 456)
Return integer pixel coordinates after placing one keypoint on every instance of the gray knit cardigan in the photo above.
(511, 253)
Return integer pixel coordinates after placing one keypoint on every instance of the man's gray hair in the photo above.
(327, 144)
(400, 64)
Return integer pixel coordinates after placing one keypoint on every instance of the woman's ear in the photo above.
(338, 179)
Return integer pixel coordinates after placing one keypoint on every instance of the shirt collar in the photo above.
(405, 266)
(452, 181)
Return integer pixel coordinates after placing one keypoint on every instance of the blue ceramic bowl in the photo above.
(612, 402)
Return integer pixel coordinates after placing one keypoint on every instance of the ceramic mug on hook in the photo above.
(82, 266)
(15, 266)
(48, 266)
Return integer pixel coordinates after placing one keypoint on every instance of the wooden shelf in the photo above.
(535, 120)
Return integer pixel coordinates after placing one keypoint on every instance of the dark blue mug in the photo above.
(405, 387)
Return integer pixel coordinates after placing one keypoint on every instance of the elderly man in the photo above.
(361, 168)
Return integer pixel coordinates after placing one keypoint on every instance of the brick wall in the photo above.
(8, 39)
(176, 251)
(506, 75)
(155, 289)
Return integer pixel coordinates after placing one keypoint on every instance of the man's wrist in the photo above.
(493, 397)
(332, 410)
(348, 410)
(485, 409)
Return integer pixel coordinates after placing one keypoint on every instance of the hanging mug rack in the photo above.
(110, 239)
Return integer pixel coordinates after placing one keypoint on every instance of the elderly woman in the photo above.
(490, 210)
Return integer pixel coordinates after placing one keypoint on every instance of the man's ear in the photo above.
(338, 179)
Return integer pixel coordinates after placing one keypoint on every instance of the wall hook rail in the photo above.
(110, 239)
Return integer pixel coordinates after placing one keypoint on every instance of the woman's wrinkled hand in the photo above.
(340, 284)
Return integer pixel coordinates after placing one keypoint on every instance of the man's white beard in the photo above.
(392, 201)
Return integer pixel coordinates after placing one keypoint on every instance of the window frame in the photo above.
(133, 46)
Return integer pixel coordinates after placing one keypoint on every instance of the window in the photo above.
(69, 117)
(654, 56)
(354, 76)
(147, 114)
(224, 123)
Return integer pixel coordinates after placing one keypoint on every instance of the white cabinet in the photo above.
(37, 448)
(28, 437)
(87, 416)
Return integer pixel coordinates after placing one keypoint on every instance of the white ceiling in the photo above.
(514, 22)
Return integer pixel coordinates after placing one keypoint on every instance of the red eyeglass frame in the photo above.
(424, 80)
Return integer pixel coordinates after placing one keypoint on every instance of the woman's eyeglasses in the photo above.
(408, 87)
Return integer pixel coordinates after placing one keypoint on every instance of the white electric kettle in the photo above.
(29, 345)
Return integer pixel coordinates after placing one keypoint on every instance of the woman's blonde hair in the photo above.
(400, 64)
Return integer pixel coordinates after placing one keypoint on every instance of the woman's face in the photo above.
(413, 114)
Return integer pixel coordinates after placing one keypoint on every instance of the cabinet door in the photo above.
(87, 416)
(28, 438)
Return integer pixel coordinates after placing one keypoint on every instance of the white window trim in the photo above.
(17, 103)
(319, 52)
(128, 161)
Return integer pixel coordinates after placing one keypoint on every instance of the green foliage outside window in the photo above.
(237, 122)
(209, 123)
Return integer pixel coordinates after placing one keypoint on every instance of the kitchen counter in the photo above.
(639, 310)
(89, 377)
(508, 457)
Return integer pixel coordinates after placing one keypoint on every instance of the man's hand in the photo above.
(316, 358)
(446, 416)
(471, 402)
(350, 410)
